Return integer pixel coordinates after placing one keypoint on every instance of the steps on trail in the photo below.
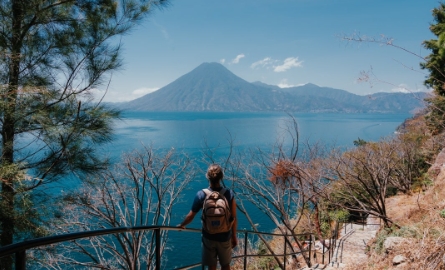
(352, 245)
(330, 266)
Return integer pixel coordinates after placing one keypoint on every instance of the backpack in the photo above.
(216, 214)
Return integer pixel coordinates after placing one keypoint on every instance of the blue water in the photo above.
(192, 132)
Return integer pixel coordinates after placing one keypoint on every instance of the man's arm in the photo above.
(187, 219)
(235, 224)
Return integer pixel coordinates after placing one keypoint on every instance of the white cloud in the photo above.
(238, 58)
(288, 63)
(268, 63)
(404, 88)
(262, 63)
(222, 61)
(401, 88)
(285, 84)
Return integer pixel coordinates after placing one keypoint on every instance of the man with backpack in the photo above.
(218, 219)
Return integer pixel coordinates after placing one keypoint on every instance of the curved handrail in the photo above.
(43, 241)
(48, 240)
(20, 248)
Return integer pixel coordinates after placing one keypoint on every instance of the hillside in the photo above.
(212, 87)
(419, 242)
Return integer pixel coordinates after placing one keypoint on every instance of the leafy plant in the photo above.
(380, 240)
(406, 232)
(340, 215)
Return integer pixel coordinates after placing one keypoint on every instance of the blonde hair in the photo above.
(214, 173)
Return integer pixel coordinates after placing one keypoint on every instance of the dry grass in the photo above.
(422, 220)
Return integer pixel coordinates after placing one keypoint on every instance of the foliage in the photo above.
(359, 142)
(330, 216)
(26, 218)
(435, 118)
(340, 215)
(52, 55)
(380, 240)
(406, 232)
(435, 64)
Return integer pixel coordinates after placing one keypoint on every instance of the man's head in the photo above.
(214, 173)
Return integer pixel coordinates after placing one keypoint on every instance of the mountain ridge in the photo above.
(212, 87)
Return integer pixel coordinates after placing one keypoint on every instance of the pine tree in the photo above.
(435, 64)
(52, 54)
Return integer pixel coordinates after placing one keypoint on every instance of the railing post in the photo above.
(322, 260)
(284, 259)
(245, 250)
(20, 260)
(310, 253)
(158, 248)
(330, 249)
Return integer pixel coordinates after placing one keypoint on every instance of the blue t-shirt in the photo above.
(198, 203)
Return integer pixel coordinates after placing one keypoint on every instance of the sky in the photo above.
(280, 42)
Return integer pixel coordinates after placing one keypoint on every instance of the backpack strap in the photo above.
(207, 192)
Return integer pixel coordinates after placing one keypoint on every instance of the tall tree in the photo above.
(435, 64)
(52, 54)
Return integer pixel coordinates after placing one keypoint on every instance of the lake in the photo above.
(192, 132)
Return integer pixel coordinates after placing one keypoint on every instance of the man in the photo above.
(218, 245)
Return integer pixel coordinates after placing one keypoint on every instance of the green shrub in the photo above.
(339, 215)
(391, 191)
(380, 240)
(406, 232)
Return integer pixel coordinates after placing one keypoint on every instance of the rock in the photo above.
(318, 246)
(435, 169)
(391, 242)
(398, 259)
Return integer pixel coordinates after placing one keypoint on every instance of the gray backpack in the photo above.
(216, 215)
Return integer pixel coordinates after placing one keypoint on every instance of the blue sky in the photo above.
(279, 42)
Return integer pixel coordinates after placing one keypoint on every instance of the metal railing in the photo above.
(19, 249)
(346, 232)
(363, 222)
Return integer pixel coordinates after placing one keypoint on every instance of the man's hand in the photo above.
(234, 241)
(186, 220)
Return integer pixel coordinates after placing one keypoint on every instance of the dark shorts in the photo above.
(213, 250)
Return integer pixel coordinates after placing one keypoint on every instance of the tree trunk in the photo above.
(317, 222)
(8, 132)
